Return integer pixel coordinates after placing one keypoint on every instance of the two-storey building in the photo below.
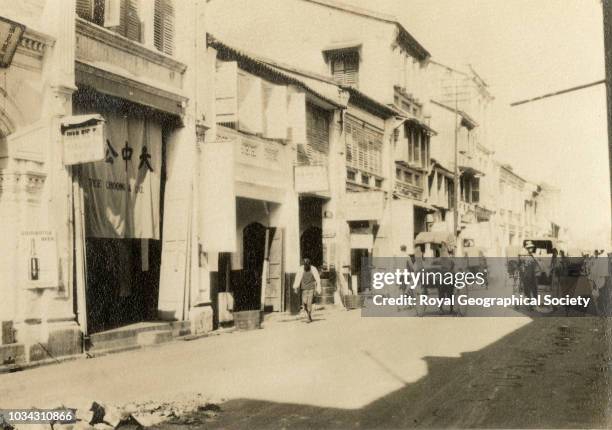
(373, 54)
(106, 100)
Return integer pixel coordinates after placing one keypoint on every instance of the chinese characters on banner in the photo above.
(122, 192)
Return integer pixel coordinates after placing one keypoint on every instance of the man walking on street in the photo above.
(308, 280)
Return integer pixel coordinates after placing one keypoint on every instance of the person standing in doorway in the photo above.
(309, 281)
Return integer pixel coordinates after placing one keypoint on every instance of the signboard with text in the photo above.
(38, 263)
(83, 137)
(10, 36)
(310, 179)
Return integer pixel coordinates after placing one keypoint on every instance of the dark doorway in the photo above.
(311, 246)
(358, 257)
(122, 282)
(248, 293)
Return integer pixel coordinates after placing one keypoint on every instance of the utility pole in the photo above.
(607, 23)
(456, 174)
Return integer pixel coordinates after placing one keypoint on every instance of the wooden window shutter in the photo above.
(317, 132)
(345, 68)
(84, 9)
(163, 26)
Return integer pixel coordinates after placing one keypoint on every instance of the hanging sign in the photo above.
(122, 191)
(83, 139)
(10, 36)
(38, 263)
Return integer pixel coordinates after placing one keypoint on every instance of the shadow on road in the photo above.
(551, 373)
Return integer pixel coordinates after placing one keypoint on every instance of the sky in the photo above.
(523, 49)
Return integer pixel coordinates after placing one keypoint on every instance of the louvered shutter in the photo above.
(163, 32)
(84, 9)
(345, 69)
(363, 147)
(132, 21)
(129, 22)
(317, 134)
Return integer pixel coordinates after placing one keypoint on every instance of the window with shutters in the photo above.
(317, 134)
(163, 26)
(345, 67)
(363, 148)
(120, 16)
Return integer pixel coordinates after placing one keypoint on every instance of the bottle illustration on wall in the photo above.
(34, 262)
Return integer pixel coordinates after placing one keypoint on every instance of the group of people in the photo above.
(591, 270)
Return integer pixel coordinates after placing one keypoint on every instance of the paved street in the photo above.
(346, 371)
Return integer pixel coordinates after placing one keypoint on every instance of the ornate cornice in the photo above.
(34, 43)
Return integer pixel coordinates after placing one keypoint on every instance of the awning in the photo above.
(434, 237)
(471, 171)
(422, 125)
(424, 205)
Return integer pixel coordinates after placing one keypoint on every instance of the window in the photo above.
(351, 175)
(163, 26)
(417, 180)
(120, 16)
(363, 147)
(125, 17)
(345, 67)
(408, 177)
(475, 190)
(398, 174)
(365, 179)
(317, 133)
(378, 183)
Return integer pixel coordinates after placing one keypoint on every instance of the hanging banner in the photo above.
(122, 192)
(218, 199)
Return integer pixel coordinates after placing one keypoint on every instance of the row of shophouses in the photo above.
(239, 137)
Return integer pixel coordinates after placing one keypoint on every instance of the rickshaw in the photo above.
(431, 245)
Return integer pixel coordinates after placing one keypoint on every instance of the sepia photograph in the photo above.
(305, 214)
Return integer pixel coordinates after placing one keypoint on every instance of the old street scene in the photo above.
(196, 196)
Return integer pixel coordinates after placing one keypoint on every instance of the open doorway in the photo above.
(248, 292)
(311, 245)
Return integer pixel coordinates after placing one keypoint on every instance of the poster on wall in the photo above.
(38, 267)
(122, 192)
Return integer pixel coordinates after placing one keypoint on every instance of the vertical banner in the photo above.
(218, 206)
(122, 192)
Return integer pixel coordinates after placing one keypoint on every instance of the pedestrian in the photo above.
(530, 268)
(308, 280)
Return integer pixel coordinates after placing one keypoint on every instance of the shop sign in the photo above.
(310, 179)
(83, 139)
(365, 205)
(38, 263)
(10, 36)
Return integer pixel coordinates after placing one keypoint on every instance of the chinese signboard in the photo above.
(10, 36)
(310, 179)
(122, 191)
(83, 137)
(38, 264)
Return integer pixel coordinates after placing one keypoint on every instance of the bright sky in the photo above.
(523, 49)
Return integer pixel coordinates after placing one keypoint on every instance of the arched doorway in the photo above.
(311, 245)
(248, 294)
